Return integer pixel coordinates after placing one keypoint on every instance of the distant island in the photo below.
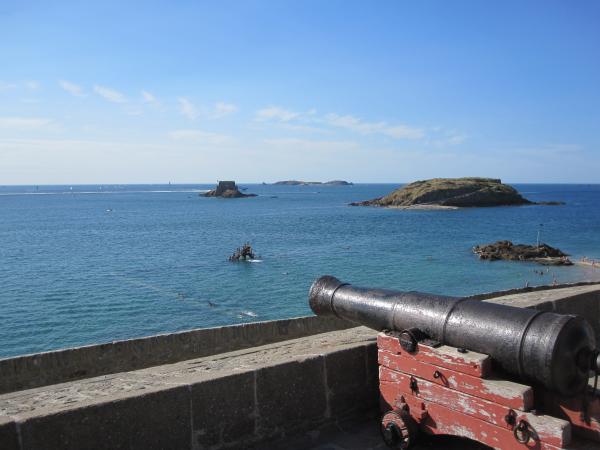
(451, 193)
(226, 189)
(312, 183)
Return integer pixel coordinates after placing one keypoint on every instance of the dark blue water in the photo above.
(99, 263)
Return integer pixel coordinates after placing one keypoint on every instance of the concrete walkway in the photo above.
(364, 435)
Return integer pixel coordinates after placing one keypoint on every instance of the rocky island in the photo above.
(439, 193)
(227, 189)
(313, 183)
(506, 250)
(243, 253)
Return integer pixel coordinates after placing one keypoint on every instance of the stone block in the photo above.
(291, 396)
(8, 434)
(223, 410)
(347, 381)
(372, 375)
(156, 420)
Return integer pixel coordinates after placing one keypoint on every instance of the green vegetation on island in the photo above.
(450, 193)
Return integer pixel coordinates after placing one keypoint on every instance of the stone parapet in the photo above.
(230, 400)
(29, 371)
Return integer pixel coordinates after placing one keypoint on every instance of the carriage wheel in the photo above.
(398, 429)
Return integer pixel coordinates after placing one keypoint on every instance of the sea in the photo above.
(91, 264)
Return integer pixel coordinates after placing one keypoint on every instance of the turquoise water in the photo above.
(92, 264)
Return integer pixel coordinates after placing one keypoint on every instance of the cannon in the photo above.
(556, 351)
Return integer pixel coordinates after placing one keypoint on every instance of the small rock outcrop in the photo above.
(243, 253)
(450, 193)
(551, 203)
(506, 250)
(313, 183)
(227, 189)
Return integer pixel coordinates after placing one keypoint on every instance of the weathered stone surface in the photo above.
(291, 396)
(50, 409)
(223, 410)
(8, 434)
(30, 371)
(450, 192)
(347, 381)
(157, 420)
(365, 433)
(372, 374)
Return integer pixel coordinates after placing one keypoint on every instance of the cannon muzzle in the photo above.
(554, 350)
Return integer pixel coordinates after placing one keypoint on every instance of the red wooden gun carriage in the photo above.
(510, 378)
(445, 390)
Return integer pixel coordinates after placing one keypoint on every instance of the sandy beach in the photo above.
(423, 207)
(589, 262)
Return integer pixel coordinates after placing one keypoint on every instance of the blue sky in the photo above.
(382, 91)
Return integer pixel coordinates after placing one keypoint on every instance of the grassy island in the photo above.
(450, 193)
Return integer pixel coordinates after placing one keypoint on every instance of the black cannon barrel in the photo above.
(555, 350)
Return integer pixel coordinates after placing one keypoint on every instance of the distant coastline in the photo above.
(313, 183)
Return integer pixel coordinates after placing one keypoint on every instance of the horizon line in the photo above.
(261, 183)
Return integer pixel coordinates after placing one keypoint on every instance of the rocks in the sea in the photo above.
(550, 203)
(313, 183)
(243, 253)
(227, 189)
(450, 193)
(506, 250)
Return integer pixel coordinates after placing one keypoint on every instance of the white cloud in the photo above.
(148, 97)
(222, 109)
(202, 137)
(7, 86)
(439, 137)
(311, 145)
(544, 150)
(187, 108)
(276, 113)
(109, 94)
(456, 139)
(134, 111)
(303, 128)
(357, 125)
(403, 132)
(32, 85)
(71, 88)
(26, 123)
(348, 122)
